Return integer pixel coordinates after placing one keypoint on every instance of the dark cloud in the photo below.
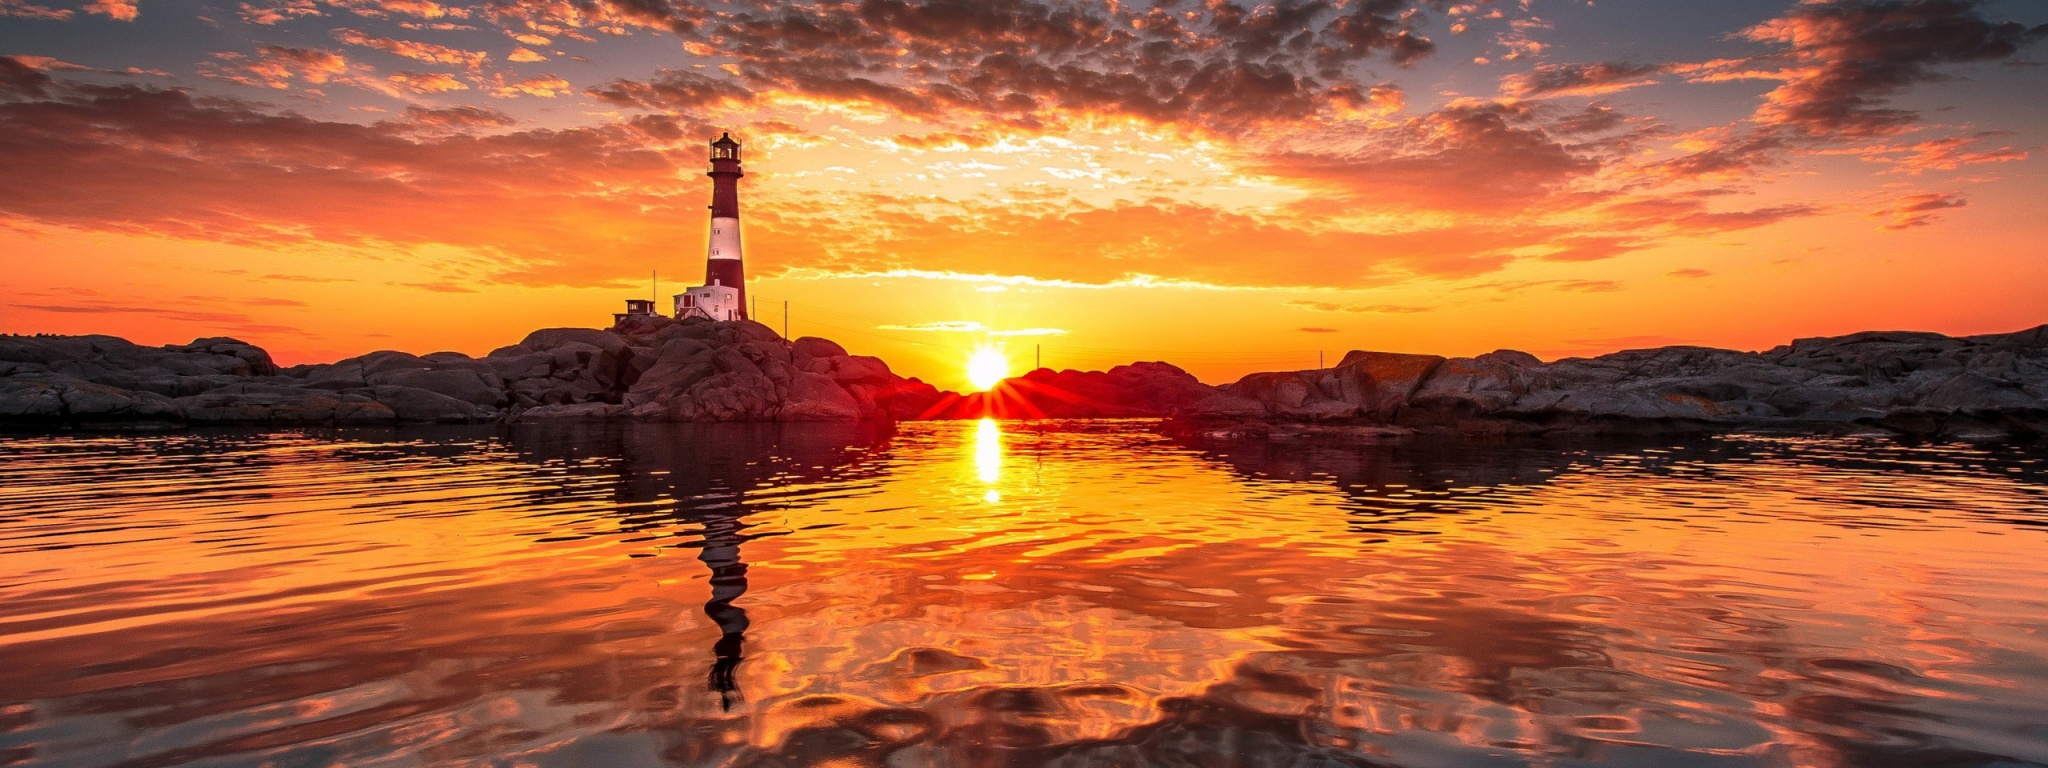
(570, 206)
(1728, 221)
(1579, 79)
(161, 161)
(1741, 155)
(27, 10)
(1218, 66)
(456, 117)
(1848, 57)
(1317, 330)
(21, 80)
(674, 90)
(1595, 118)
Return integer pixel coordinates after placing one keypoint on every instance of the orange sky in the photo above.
(1228, 187)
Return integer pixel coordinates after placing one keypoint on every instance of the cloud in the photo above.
(1579, 79)
(1943, 154)
(278, 67)
(1331, 306)
(1917, 210)
(134, 159)
(1472, 158)
(20, 80)
(48, 64)
(274, 13)
(1317, 330)
(230, 321)
(457, 117)
(674, 90)
(1571, 286)
(1844, 59)
(1689, 273)
(438, 287)
(417, 51)
(22, 9)
(426, 82)
(544, 86)
(1215, 67)
(118, 10)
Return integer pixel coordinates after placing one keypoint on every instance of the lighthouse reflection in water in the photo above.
(1016, 594)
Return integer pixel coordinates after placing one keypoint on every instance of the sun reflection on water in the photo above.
(988, 456)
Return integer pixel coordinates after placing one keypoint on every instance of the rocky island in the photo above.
(656, 369)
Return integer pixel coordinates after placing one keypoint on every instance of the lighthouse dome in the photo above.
(725, 148)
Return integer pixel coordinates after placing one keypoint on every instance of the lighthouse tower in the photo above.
(723, 296)
(723, 264)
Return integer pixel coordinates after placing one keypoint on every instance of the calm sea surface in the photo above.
(963, 594)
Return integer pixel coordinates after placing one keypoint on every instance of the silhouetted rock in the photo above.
(654, 369)
(1918, 384)
(648, 369)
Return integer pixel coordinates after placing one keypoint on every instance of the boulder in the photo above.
(524, 364)
(850, 368)
(415, 404)
(262, 406)
(728, 396)
(551, 338)
(31, 399)
(812, 346)
(815, 397)
(1380, 383)
(465, 385)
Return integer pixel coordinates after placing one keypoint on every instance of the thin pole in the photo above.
(654, 286)
(1037, 356)
(756, 311)
(785, 318)
(1319, 359)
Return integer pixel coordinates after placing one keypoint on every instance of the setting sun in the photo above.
(987, 366)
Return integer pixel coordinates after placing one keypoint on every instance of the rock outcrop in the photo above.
(1919, 384)
(649, 369)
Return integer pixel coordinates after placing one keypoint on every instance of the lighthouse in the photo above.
(723, 296)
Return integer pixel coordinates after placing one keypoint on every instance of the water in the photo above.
(962, 594)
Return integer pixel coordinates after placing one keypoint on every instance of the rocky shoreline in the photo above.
(1923, 385)
(657, 370)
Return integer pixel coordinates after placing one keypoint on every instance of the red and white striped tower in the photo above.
(723, 265)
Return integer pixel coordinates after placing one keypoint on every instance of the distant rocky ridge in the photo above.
(653, 369)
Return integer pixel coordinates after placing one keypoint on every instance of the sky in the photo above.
(1227, 186)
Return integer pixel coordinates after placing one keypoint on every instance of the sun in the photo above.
(986, 367)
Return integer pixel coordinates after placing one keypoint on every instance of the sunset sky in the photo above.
(1226, 186)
